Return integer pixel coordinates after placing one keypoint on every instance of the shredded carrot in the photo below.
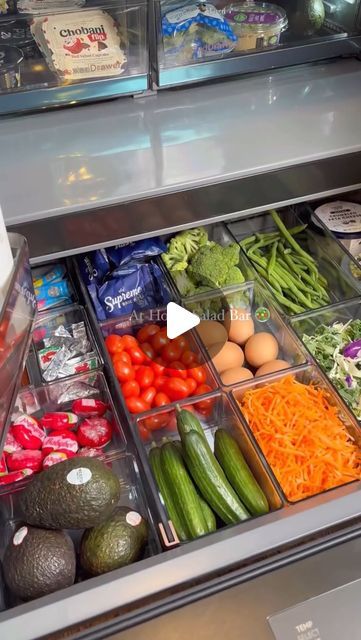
(302, 437)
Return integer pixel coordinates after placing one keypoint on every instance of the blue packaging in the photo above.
(135, 251)
(94, 266)
(55, 273)
(130, 288)
(58, 289)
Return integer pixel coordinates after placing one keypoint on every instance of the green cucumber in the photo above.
(211, 480)
(184, 494)
(239, 474)
(209, 516)
(175, 517)
(186, 422)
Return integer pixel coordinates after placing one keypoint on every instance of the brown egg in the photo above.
(261, 348)
(271, 367)
(239, 329)
(236, 375)
(211, 332)
(226, 356)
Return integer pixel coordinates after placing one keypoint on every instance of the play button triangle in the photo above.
(179, 320)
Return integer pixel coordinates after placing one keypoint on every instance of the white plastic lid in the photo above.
(342, 218)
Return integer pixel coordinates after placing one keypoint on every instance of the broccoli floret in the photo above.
(184, 283)
(234, 276)
(193, 239)
(231, 254)
(208, 267)
(173, 263)
(182, 247)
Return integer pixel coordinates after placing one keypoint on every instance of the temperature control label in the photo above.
(335, 615)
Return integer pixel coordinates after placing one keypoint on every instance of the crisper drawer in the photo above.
(297, 509)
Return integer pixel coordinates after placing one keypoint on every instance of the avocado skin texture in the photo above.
(308, 17)
(113, 544)
(51, 501)
(43, 563)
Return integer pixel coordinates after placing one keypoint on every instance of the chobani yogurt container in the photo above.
(258, 25)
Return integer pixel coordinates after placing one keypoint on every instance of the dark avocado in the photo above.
(76, 494)
(38, 562)
(117, 542)
(307, 18)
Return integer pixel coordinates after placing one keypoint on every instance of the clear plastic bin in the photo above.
(17, 313)
(133, 495)
(215, 412)
(249, 302)
(130, 325)
(86, 52)
(340, 286)
(307, 374)
(219, 233)
(338, 313)
(51, 275)
(66, 322)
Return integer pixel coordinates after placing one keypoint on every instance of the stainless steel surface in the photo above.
(182, 566)
(77, 232)
(128, 149)
(240, 613)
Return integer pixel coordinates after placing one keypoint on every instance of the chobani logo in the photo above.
(83, 31)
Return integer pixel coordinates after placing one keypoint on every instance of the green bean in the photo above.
(288, 303)
(290, 239)
(272, 260)
(243, 243)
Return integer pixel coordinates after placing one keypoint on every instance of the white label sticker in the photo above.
(133, 518)
(341, 217)
(79, 476)
(20, 535)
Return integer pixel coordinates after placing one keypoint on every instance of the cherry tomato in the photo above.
(136, 405)
(143, 432)
(189, 358)
(158, 366)
(148, 351)
(192, 385)
(130, 389)
(159, 421)
(129, 341)
(160, 400)
(198, 374)
(159, 382)
(172, 422)
(123, 371)
(176, 389)
(148, 395)
(182, 342)
(147, 332)
(145, 376)
(158, 341)
(204, 406)
(171, 352)
(202, 389)
(114, 343)
(122, 357)
(176, 370)
(137, 355)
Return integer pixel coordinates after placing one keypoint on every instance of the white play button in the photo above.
(179, 320)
